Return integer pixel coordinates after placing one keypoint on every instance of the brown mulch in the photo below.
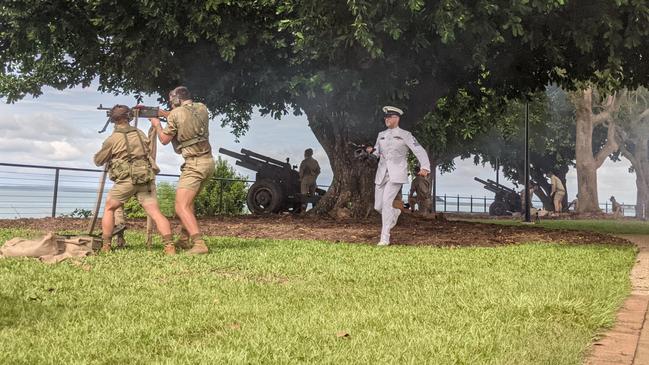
(411, 230)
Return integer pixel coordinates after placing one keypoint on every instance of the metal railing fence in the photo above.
(35, 191)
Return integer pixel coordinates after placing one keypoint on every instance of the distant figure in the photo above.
(617, 208)
(531, 189)
(557, 193)
(309, 171)
(420, 193)
(574, 203)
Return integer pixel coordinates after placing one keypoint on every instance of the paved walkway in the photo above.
(628, 341)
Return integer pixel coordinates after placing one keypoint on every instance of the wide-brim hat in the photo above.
(392, 110)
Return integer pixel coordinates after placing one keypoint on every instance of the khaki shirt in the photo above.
(421, 186)
(114, 147)
(309, 168)
(182, 124)
(557, 185)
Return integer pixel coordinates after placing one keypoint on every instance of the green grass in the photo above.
(264, 301)
(597, 225)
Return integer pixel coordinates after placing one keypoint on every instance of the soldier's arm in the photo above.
(104, 153)
(419, 152)
(301, 170)
(317, 168)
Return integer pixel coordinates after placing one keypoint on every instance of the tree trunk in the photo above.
(352, 189)
(586, 162)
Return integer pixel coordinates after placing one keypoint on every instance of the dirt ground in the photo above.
(411, 230)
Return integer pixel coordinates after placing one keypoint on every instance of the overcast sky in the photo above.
(59, 128)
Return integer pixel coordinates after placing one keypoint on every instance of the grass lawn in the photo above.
(263, 301)
(598, 225)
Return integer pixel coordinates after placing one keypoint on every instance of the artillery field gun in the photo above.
(277, 185)
(506, 201)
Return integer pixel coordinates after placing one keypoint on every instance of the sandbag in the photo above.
(21, 247)
(51, 248)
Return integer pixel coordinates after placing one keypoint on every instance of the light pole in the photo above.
(527, 163)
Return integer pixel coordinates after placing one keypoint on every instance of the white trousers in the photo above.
(384, 194)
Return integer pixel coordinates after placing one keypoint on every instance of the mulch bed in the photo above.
(411, 230)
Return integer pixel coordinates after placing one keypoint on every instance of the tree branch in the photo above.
(610, 146)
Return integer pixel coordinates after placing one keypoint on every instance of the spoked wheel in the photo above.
(264, 197)
(498, 209)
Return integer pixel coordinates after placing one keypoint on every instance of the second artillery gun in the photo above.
(506, 201)
(277, 185)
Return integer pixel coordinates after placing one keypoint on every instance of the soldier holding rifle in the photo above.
(188, 131)
(392, 147)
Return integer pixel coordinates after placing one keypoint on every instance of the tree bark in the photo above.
(352, 188)
(586, 162)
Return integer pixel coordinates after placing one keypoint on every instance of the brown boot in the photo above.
(170, 249)
(199, 248)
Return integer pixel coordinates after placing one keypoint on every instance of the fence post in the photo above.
(606, 203)
(485, 204)
(444, 203)
(458, 203)
(56, 192)
(220, 196)
(471, 203)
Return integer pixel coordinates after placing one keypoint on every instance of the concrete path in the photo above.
(628, 341)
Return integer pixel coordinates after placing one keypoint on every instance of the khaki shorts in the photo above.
(123, 190)
(195, 172)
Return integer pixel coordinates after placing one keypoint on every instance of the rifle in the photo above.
(360, 153)
(138, 111)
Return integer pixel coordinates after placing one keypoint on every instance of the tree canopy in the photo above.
(336, 61)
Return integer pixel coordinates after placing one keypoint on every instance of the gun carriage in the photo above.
(506, 201)
(277, 185)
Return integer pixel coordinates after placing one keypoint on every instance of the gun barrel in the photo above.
(265, 158)
(501, 186)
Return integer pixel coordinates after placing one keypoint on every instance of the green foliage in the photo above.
(166, 194)
(78, 213)
(225, 194)
(278, 302)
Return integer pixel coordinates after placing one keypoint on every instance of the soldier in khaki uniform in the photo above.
(188, 131)
(132, 170)
(557, 193)
(420, 193)
(309, 171)
(616, 208)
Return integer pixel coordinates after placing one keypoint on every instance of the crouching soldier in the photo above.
(132, 170)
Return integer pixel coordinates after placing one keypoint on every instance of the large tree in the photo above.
(551, 144)
(592, 112)
(336, 61)
(632, 135)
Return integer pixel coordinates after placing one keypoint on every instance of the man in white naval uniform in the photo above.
(392, 147)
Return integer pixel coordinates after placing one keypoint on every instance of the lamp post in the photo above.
(527, 164)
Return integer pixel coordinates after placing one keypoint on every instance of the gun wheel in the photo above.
(264, 197)
(498, 208)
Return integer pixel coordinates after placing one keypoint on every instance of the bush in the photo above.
(166, 194)
(217, 197)
(222, 196)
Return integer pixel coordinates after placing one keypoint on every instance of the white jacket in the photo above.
(392, 148)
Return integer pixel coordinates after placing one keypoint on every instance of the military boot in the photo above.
(105, 248)
(170, 248)
(199, 247)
